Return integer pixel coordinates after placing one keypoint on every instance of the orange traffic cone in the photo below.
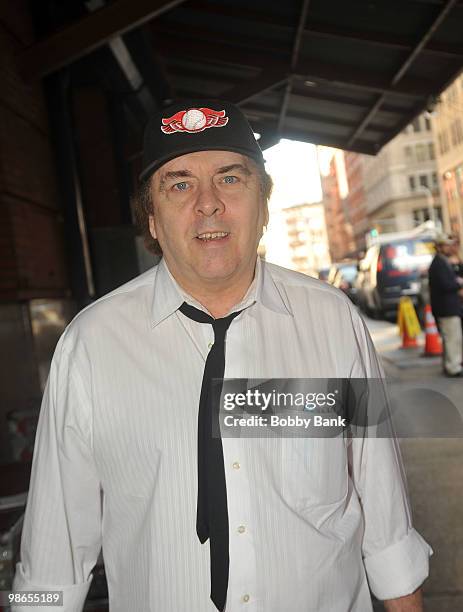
(408, 341)
(433, 344)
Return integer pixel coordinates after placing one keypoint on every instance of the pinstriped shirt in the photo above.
(314, 523)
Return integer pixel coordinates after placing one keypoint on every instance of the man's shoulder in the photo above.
(436, 259)
(126, 302)
(290, 278)
(435, 264)
(439, 263)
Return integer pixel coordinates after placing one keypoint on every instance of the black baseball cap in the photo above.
(187, 126)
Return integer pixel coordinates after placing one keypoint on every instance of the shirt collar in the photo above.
(168, 296)
(267, 291)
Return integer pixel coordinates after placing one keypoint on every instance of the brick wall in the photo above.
(32, 250)
(31, 242)
(97, 162)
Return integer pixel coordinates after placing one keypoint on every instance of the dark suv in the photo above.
(392, 270)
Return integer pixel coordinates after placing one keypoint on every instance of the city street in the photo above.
(433, 464)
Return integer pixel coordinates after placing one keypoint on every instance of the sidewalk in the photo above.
(433, 465)
(410, 357)
(388, 345)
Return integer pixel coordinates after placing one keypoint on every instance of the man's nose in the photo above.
(208, 201)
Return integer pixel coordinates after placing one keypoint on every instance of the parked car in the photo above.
(342, 275)
(392, 270)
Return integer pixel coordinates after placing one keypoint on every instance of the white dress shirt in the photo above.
(313, 522)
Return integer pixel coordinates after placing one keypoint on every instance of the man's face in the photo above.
(446, 249)
(455, 248)
(208, 216)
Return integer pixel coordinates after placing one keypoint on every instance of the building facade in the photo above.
(339, 230)
(401, 182)
(355, 200)
(447, 125)
(307, 237)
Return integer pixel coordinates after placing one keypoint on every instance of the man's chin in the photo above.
(215, 271)
(215, 275)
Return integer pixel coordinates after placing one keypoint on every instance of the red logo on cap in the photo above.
(194, 120)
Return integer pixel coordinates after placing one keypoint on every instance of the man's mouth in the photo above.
(206, 236)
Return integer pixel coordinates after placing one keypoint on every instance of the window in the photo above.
(420, 215)
(445, 136)
(456, 132)
(453, 133)
(438, 214)
(439, 140)
(459, 131)
(427, 123)
(431, 151)
(412, 183)
(421, 152)
(459, 179)
(416, 125)
(443, 139)
(408, 152)
(423, 180)
(435, 182)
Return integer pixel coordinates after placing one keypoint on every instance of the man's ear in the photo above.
(266, 214)
(152, 227)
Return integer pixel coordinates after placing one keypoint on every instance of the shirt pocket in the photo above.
(314, 472)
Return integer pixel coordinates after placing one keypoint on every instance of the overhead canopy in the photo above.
(349, 74)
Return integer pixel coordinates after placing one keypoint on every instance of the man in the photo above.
(188, 521)
(446, 291)
(457, 265)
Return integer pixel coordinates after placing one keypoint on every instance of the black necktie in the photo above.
(212, 511)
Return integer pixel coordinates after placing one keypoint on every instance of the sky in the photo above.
(293, 166)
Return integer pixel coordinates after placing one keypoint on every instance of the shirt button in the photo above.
(246, 598)
(236, 465)
(241, 529)
(209, 346)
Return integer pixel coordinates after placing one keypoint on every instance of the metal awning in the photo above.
(349, 74)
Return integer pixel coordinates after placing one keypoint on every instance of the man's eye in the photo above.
(181, 186)
(230, 179)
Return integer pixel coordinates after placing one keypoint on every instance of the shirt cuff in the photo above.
(74, 595)
(399, 569)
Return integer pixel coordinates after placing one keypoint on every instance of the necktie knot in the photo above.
(220, 326)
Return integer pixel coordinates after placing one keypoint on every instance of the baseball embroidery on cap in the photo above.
(194, 120)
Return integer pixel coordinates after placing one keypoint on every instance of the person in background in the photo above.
(446, 293)
(455, 256)
(457, 264)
